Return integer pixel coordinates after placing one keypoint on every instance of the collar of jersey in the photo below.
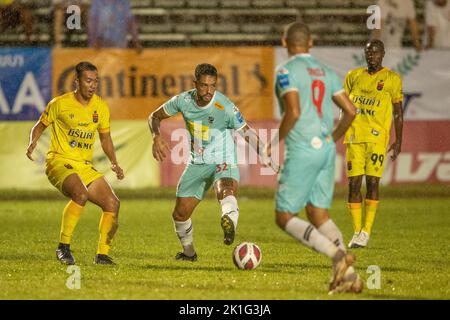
(305, 55)
(372, 74)
(80, 104)
(208, 105)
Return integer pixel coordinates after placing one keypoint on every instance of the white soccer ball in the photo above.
(247, 256)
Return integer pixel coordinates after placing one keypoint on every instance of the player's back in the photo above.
(315, 83)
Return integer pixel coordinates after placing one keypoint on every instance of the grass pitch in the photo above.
(410, 244)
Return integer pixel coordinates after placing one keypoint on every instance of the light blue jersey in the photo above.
(307, 175)
(210, 127)
(315, 84)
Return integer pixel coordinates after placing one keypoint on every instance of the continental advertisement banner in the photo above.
(136, 84)
(133, 150)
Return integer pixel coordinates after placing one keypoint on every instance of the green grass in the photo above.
(410, 243)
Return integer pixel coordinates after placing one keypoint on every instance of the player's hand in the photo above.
(30, 150)
(266, 158)
(118, 170)
(160, 148)
(397, 148)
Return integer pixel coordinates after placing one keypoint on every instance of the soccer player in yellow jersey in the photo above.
(376, 92)
(74, 117)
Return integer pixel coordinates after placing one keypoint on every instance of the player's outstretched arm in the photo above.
(265, 152)
(35, 134)
(108, 149)
(160, 147)
(398, 124)
(348, 114)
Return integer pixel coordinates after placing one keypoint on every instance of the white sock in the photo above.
(330, 230)
(309, 236)
(230, 207)
(185, 230)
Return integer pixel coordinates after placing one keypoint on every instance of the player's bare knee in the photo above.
(179, 215)
(114, 202)
(226, 192)
(372, 187)
(80, 197)
(111, 204)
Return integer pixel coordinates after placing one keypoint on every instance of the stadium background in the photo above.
(241, 37)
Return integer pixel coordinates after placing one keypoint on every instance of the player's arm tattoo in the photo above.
(154, 120)
(251, 137)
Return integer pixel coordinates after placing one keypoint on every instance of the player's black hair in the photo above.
(297, 34)
(376, 43)
(84, 66)
(205, 69)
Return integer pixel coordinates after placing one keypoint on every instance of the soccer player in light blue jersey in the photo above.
(306, 90)
(210, 118)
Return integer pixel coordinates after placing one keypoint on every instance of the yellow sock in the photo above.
(356, 212)
(71, 215)
(371, 209)
(107, 227)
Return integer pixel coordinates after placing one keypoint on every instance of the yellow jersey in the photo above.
(373, 96)
(74, 126)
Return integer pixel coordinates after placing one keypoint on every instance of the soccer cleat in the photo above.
(351, 283)
(182, 256)
(103, 259)
(228, 229)
(64, 254)
(341, 262)
(352, 242)
(362, 240)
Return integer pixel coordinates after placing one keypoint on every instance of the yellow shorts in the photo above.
(58, 169)
(366, 158)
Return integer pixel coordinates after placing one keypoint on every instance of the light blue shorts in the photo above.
(198, 178)
(307, 177)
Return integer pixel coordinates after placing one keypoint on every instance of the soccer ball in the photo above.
(247, 256)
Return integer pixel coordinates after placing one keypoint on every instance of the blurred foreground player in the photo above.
(210, 117)
(376, 91)
(74, 118)
(306, 90)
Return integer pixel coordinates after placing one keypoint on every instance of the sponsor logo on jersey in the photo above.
(210, 119)
(77, 133)
(198, 130)
(367, 112)
(316, 143)
(238, 115)
(380, 85)
(283, 78)
(73, 143)
(218, 106)
(366, 101)
(95, 117)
